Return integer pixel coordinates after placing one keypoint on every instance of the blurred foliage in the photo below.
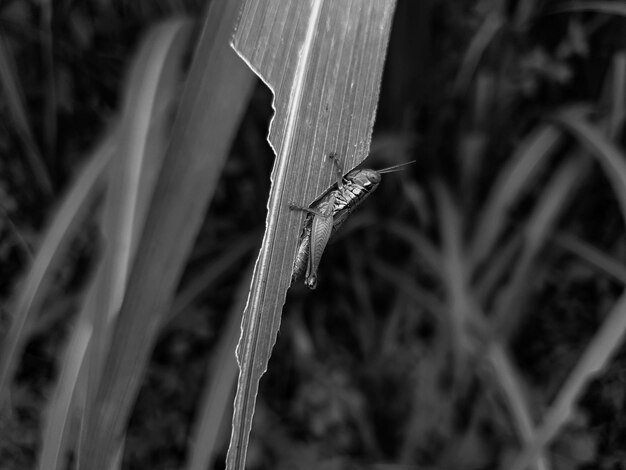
(364, 374)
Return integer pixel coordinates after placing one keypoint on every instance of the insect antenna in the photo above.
(399, 167)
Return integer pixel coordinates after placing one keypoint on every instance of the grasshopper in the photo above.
(328, 212)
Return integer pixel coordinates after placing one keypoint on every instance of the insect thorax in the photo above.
(356, 188)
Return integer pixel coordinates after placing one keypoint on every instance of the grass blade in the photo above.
(454, 269)
(63, 405)
(214, 98)
(484, 36)
(615, 95)
(125, 206)
(511, 384)
(593, 256)
(509, 186)
(612, 8)
(148, 91)
(17, 108)
(68, 217)
(612, 160)
(610, 335)
(594, 359)
(212, 273)
(553, 201)
(325, 81)
(218, 395)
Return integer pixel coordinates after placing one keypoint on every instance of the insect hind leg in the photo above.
(338, 169)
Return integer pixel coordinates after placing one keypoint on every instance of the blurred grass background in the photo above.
(461, 315)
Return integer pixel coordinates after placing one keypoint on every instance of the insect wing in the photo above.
(321, 229)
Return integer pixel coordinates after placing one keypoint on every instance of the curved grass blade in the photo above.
(554, 199)
(323, 61)
(611, 334)
(484, 36)
(508, 188)
(612, 160)
(603, 345)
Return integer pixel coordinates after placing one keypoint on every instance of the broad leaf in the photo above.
(323, 61)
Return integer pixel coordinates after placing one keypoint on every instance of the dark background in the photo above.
(353, 364)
